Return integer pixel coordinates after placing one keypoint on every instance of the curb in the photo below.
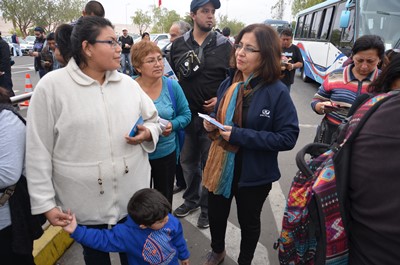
(51, 246)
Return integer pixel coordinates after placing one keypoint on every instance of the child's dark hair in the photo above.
(148, 206)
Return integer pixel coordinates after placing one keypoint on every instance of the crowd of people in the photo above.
(112, 190)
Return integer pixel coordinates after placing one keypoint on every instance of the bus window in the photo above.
(315, 24)
(306, 27)
(326, 23)
(299, 27)
(336, 30)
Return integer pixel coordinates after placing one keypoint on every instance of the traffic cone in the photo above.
(28, 89)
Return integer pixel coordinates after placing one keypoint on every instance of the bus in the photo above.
(279, 25)
(325, 33)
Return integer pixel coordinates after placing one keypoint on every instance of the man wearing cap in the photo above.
(37, 48)
(126, 42)
(200, 85)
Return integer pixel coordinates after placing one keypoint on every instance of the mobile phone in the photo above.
(331, 107)
(133, 132)
(213, 121)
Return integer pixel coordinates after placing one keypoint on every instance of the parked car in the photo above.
(162, 43)
(30, 39)
(157, 37)
(154, 37)
(25, 46)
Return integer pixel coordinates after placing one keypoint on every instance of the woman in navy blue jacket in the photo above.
(259, 121)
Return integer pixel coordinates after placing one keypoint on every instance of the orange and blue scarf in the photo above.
(219, 169)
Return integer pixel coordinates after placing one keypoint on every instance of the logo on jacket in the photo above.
(265, 113)
(157, 248)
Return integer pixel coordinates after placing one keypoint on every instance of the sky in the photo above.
(250, 11)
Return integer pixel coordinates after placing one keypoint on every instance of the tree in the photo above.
(20, 13)
(141, 20)
(278, 9)
(163, 19)
(25, 14)
(234, 25)
(299, 5)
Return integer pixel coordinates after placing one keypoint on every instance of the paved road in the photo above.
(199, 240)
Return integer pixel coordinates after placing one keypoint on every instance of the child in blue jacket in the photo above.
(150, 235)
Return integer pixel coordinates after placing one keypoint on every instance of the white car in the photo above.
(25, 46)
(154, 37)
(30, 39)
(158, 37)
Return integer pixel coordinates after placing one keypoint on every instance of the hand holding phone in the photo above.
(212, 120)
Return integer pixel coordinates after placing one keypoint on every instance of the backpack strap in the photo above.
(362, 114)
(206, 41)
(342, 158)
(7, 193)
(13, 110)
(172, 95)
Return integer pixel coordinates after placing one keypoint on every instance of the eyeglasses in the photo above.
(154, 60)
(246, 49)
(113, 43)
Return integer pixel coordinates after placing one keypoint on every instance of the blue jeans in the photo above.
(124, 57)
(193, 159)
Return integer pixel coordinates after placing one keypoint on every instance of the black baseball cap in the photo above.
(196, 4)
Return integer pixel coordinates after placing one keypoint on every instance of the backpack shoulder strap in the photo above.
(171, 94)
(362, 114)
(13, 110)
(342, 158)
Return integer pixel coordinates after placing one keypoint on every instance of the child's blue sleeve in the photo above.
(106, 240)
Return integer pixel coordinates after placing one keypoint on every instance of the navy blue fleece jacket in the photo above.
(271, 125)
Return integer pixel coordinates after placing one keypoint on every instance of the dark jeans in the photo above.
(95, 257)
(7, 255)
(163, 173)
(42, 72)
(249, 202)
(193, 159)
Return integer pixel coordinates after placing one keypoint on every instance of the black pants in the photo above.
(96, 257)
(7, 255)
(180, 180)
(249, 202)
(163, 175)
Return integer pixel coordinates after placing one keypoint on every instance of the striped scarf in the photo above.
(219, 169)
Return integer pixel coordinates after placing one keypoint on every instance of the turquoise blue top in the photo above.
(166, 144)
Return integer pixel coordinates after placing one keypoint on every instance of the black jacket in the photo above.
(5, 66)
(125, 40)
(203, 85)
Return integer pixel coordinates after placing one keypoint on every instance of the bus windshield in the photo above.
(380, 18)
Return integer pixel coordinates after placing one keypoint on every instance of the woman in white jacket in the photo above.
(79, 155)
